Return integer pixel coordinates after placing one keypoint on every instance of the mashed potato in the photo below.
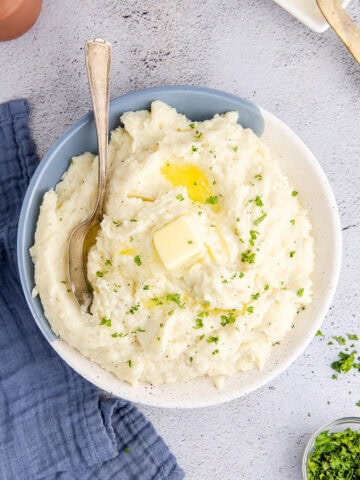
(162, 311)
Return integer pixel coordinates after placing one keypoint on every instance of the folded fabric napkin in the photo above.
(53, 423)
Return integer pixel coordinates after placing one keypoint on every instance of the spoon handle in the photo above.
(98, 63)
(346, 29)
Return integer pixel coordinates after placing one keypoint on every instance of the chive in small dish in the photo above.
(333, 451)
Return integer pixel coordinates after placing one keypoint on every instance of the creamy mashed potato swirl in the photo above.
(225, 305)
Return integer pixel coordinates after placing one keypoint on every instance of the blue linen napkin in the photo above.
(53, 423)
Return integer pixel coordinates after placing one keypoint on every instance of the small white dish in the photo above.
(339, 425)
(308, 13)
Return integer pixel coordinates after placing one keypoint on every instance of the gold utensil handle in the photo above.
(346, 29)
(98, 64)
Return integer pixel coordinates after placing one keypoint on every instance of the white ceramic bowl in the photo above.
(305, 175)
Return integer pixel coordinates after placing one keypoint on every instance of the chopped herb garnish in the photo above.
(127, 449)
(100, 273)
(131, 239)
(192, 125)
(133, 309)
(236, 148)
(194, 149)
(117, 223)
(352, 336)
(258, 202)
(108, 263)
(291, 254)
(294, 193)
(191, 359)
(137, 260)
(266, 287)
(215, 352)
(340, 340)
(241, 275)
(156, 300)
(197, 135)
(175, 297)
(300, 292)
(227, 319)
(129, 362)
(260, 219)
(292, 221)
(255, 296)
(250, 309)
(106, 321)
(248, 256)
(119, 335)
(170, 312)
(146, 287)
(253, 237)
(214, 200)
(345, 362)
(213, 340)
(180, 197)
(335, 456)
(198, 323)
(258, 177)
(319, 333)
(139, 330)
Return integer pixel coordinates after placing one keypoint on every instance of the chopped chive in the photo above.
(106, 321)
(260, 219)
(213, 200)
(212, 340)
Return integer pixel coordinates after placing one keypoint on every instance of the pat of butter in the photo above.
(177, 243)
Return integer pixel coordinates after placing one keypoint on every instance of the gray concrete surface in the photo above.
(256, 50)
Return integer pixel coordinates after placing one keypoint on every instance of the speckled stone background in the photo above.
(256, 50)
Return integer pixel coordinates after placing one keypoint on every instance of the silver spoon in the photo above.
(98, 63)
